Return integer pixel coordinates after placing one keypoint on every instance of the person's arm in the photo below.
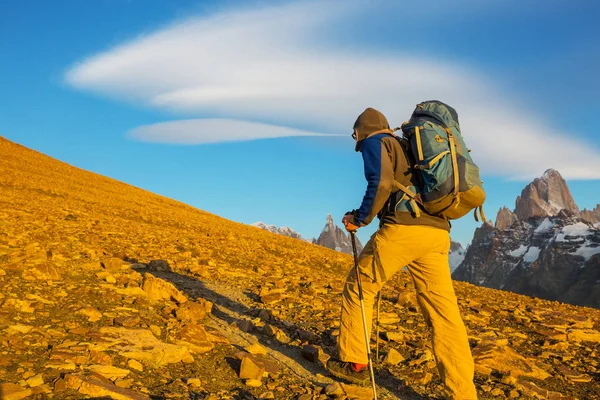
(380, 177)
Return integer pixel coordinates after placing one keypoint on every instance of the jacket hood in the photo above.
(369, 122)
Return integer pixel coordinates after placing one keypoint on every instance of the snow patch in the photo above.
(545, 226)
(578, 229)
(519, 252)
(532, 254)
(586, 251)
(455, 258)
(577, 234)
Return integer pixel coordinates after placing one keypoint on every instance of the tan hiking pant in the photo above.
(424, 250)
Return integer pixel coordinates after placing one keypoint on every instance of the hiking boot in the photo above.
(345, 370)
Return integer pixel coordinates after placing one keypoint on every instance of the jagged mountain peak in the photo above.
(545, 197)
(505, 218)
(551, 173)
(336, 238)
(592, 216)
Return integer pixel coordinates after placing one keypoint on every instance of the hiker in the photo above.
(406, 237)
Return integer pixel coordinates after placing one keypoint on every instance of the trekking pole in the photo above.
(364, 318)
(377, 328)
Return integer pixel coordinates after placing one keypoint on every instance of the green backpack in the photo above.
(450, 185)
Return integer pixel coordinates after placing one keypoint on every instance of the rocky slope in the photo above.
(109, 291)
(545, 248)
(335, 238)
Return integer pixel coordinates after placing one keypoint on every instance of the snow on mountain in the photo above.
(545, 226)
(266, 227)
(531, 255)
(456, 255)
(582, 237)
(284, 230)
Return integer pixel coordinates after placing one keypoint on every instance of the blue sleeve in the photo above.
(371, 152)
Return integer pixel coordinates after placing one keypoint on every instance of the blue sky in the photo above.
(88, 82)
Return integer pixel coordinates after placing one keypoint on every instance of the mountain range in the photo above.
(336, 238)
(332, 236)
(546, 247)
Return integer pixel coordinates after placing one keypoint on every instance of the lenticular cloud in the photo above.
(213, 130)
(275, 64)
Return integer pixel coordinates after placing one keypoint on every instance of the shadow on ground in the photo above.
(229, 311)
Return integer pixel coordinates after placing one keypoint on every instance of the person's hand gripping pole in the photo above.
(349, 222)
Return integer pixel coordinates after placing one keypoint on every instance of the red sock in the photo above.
(358, 367)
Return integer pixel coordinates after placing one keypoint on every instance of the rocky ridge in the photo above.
(283, 230)
(334, 237)
(592, 216)
(545, 248)
(111, 291)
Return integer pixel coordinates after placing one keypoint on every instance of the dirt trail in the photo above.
(231, 306)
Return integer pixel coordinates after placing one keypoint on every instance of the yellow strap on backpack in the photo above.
(419, 148)
(411, 195)
(481, 214)
(415, 208)
(433, 161)
(454, 161)
(457, 198)
(404, 189)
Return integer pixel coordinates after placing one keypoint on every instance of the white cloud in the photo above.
(278, 65)
(213, 130)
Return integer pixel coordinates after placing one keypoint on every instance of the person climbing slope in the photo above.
(407, 236)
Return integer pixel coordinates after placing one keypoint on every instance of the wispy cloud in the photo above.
(213, 130)
(278, 66)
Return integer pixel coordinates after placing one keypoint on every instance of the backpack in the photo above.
(449, 182)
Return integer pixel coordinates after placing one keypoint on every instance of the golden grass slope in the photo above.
(119, 218)
(74, 246)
